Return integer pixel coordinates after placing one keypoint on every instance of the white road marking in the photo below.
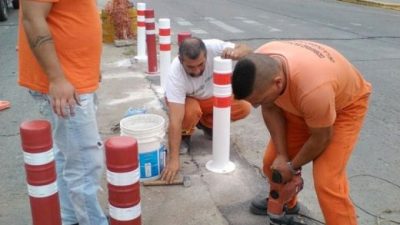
(198, 31)
(181, 21)
(223, 25)
(356, 24)
(248, 21)
(273, 29)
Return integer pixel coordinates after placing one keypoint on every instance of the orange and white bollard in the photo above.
(152, 67)
(123, 181)
(182, 36)
(220, 162)
(165, 48)
(141, 33)
(37, 143)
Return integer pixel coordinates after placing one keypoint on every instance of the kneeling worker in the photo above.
(189, 94)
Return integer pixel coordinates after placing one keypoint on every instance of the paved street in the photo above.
(369, 37)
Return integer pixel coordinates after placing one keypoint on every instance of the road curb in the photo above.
(378, 4)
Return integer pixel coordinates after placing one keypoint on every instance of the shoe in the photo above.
(206, 131)
(259, 206)
(185, 144)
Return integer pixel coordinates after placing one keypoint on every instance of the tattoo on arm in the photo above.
(40, 40)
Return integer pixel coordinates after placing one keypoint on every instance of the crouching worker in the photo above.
(313, 103)
(189, 94)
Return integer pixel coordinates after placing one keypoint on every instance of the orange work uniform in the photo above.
(323, 89)
(202, 111)
(77, 40)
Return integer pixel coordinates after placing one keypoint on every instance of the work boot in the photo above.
(185, 145)
(284, 220)
(259, 206)
(207, 132)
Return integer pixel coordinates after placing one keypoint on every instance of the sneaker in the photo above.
(206, 131)
(185, 145)
(259, 206)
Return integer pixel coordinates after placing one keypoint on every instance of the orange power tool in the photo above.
(280, 194)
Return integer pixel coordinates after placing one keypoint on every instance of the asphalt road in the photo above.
(369, 37)
(14, 203)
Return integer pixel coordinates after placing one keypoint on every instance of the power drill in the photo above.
(280, 194)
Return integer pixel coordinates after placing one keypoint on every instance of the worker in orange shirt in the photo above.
(313, 102)
(59, 62)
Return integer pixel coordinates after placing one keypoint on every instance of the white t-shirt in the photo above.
(179, 84)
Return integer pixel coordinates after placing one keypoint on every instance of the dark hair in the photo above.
(243, 78)
(191, 48)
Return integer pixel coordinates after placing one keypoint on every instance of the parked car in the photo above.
(4, 5)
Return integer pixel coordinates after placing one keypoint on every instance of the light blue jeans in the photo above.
(79, 160)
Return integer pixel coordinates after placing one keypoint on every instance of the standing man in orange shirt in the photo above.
(313, 104)
(59, 61)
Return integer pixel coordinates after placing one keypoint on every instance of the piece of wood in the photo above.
(177, 181)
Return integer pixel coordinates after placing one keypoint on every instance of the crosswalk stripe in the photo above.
(273, 29)
(181, 21)
(248, 21)
(198, 31)
(223, 25)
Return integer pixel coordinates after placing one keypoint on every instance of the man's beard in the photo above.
(196, 75)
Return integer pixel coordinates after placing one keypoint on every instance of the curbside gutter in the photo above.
(378, 4)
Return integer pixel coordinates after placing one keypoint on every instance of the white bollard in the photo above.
(141, 33)
(165, 48)
(220, 162)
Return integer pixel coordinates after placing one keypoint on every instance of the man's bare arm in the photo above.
(40, 40)
(176, 114)
(315, 145)
(276, 124)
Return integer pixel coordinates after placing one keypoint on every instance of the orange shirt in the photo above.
(320, 81)
(76, 31)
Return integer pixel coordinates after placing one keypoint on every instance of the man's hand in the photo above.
(63, 96)
(281, 165)
(229, 53)
(236, 53)
(170, 170)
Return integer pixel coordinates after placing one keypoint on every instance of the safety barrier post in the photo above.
(123, 181)
(220, 162)
(141, 33)
(165, 49)
(152, 67)
(37, 144)
(182, 36)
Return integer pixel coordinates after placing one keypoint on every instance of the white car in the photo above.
(4, 4)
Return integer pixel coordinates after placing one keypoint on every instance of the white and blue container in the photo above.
(149, 131)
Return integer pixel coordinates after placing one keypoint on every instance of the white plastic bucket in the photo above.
(149, 131)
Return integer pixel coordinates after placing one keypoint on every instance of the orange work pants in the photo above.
(329, 168)
(202, 111)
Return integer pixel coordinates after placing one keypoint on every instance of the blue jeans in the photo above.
(79, 160)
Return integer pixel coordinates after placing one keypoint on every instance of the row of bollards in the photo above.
(122, 176)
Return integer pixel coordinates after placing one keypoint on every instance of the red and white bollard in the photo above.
(165, 48)
(151, 42)
(220, 162)
(37, 143)
(182, 36)
(141, 33)
(123, 181)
